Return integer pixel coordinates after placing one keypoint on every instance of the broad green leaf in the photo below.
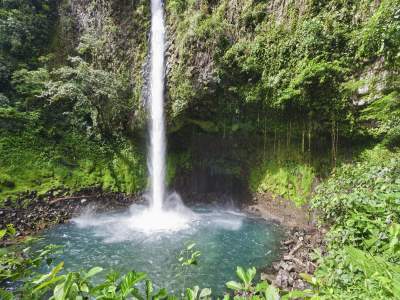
(241, 273)
(58, 293)
(51, 276)
(11, 229)
(250, 274)
(308, 278)
(129, 281)
(191, 294)
(262, 286)
(297, 295)
(92, 272)
(233, 285)
(272, 293)
(84, 288)
(161, 294)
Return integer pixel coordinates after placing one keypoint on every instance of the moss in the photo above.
(178, 162)
(290, 180)
(33, 163)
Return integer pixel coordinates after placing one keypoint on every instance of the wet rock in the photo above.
(282, 279)
(297, 258)
(276, 266)
(31, 212)
(299, 285)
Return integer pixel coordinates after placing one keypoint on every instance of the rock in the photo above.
(282, 279)
(310, 267)
(267, 277)
(276, 266)
(299, 285)
(290, 280)
(290, 267)
(83, 200)
(288, 242)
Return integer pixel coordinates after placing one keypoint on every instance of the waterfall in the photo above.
(157, 149)
(166, 212)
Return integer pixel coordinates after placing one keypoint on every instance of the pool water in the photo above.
(225, 238)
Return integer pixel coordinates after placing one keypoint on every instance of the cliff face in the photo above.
(111, 36)
(280, 56)
(295, 79)
(229, 60)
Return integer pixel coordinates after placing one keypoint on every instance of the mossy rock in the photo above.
(6, 181)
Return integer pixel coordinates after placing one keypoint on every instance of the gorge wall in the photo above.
(265, 94)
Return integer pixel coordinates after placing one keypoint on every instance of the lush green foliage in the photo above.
(66, 122)
(31, 162)
(284, 175)
(292, 62)
(302, 78)
(25, 29)
(361, 204)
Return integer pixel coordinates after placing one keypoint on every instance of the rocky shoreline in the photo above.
(32, 213)
(297, 259)
(303, 238)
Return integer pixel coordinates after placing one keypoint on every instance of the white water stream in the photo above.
(157, 149)
(166, 212)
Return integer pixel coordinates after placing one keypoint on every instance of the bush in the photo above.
(361, 203)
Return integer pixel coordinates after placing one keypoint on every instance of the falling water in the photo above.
(166, 212)
(157, 123)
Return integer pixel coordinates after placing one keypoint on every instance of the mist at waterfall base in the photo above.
(119, 241)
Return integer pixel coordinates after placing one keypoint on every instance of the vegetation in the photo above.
(361, 204)
(282, 94)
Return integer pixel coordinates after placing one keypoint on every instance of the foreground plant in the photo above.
(60, 285)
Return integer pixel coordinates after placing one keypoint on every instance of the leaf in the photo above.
(308, 278)
(42, 280)
(149, 289)
(5, 295)
(262, 286)
(272, 293)
(205, 293)
(162, 294)
(191, 246)
(297, 295)
(250, 274)
(233, 285)
(241, 273)
(191, 294)
(135, 293)
(2, 233)
(129, 281)
(58, 292)
(92, 272)
(11, 229)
